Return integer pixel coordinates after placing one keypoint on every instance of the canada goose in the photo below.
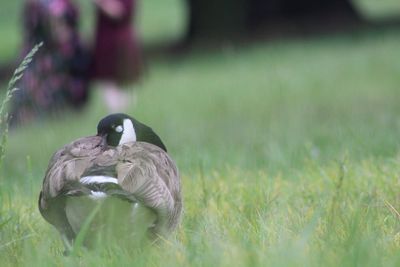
(126, 169)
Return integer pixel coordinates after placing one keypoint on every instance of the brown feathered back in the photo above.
(142, 169)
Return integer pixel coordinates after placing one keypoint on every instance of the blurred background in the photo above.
(281, 80)
(171, 21)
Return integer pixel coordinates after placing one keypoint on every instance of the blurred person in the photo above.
(57, 76)
(117, 61)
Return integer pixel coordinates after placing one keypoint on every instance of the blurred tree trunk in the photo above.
(210, 19)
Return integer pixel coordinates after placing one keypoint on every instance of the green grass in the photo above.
(288, 152)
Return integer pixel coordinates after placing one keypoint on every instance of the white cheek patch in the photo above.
(129, 134)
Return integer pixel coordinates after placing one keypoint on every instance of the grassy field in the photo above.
(288, 152)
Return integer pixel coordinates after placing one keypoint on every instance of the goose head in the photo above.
(119, 128)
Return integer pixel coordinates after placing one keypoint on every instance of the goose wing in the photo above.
(65, 168)
(152, 177)
(70, 163)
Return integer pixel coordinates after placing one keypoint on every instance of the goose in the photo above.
(123, 176)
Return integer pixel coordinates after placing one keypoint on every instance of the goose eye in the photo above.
(119, 129)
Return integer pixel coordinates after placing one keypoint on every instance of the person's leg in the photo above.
(116, 99)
